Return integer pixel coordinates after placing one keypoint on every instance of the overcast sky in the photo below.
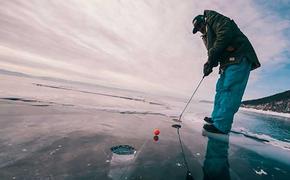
(146, 45)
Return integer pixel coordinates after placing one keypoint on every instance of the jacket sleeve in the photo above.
(204, 39)
(222, 27)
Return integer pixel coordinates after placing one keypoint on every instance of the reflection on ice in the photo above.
(216, 165)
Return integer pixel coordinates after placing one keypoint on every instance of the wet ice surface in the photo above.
(60, 131)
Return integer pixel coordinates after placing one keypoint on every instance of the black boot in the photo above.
(211, 128)
(208, 120)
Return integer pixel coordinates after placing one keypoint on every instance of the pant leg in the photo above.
(235, 79)
(217, 98)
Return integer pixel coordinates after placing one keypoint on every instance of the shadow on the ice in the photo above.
(216, 165)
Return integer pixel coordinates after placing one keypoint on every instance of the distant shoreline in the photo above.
(287, 115)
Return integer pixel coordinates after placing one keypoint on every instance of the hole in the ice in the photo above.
(123, 150)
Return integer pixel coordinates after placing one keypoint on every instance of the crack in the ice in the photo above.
(35, 101)
(103, 94)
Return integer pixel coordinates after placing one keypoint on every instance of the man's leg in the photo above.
(231, 93)
(217, 98)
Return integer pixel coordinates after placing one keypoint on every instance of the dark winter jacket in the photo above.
(225, 43)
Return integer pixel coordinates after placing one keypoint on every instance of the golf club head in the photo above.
(177, 126)
(176, 120)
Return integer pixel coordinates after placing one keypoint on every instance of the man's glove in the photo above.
(207, 69)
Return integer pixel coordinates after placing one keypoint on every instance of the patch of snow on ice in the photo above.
(179, 164)
(287, 115)
(261, 172)
(263, 137)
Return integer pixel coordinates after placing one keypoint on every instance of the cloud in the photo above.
(142, 45)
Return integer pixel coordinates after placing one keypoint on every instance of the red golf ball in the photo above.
(156, 132)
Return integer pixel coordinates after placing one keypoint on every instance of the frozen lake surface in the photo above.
(53, 130)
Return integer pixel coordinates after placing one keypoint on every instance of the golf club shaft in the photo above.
(191, 97)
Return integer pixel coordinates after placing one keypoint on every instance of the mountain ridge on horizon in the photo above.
(279, 102)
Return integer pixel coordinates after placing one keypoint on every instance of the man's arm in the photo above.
(223, 29)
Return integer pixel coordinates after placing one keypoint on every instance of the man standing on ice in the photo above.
(229, 48)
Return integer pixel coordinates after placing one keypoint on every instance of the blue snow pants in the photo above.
(230, 89)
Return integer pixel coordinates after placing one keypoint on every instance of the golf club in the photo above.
(179, 119)
(178, 126)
